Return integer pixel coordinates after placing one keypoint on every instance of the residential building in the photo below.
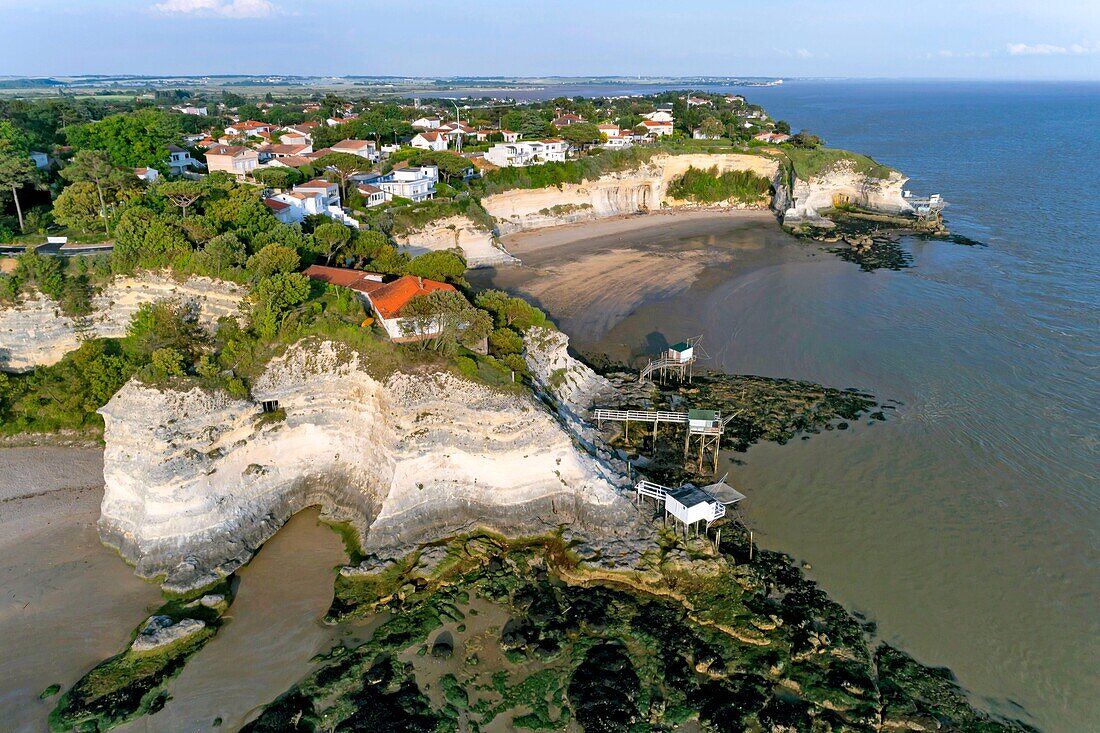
(698, 134)
(624, 139)
(196, 111)
(235, 159)
(372, 195)
(288, 161)
(180, 160)
(293, 206)
(527, 152)
(483, 135)
(609, 129)
(656, 128)
(363, 148)
(661, 114)
(357, 280)
(416, 183)
(510, 136)
(281, 210)
(147, 174)
(248, 128)
(566, 120)
(429, 140)
(389, 149)
(771, 137)
(698, 102)
(389, 300)
(267, 152)
(426, 123)
(329, 191)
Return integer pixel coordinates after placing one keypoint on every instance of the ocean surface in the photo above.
(966, 526)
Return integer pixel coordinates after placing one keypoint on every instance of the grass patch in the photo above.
(810, 162)
(710, 186)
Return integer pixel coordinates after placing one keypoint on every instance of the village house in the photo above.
(416, 183)
(327, 190)
(566, 120)
(363, 148)
(656, 128)
(196, 111)
(267, 152)
(698, 134)
(300, 134)
(235, 159)
(661, 114)
(386, 300)
(483, 135)
(698, 102)
(180, 160)
(288, 161)
(281, 210)
(372, 195)
(609, 129)
(147, 174)
(429, 140)
(622, 139)
(426, 123)
(248, 128)
(771, 137)
(510, 136)
(528, 152)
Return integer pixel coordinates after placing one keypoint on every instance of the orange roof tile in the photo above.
(360, 280)
(389, 299)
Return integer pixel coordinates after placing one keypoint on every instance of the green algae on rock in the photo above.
(752, 646)
(133, 683)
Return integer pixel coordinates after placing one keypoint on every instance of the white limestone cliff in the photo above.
(842, 183)
(456, 232)
(614, 194)
(34, 332)
(196, 482)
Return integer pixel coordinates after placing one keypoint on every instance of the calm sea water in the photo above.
(966, 525)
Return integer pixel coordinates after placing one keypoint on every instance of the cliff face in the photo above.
(477, 245)
(624, 192)
(36, 333)
(195, 482)
(841, 184)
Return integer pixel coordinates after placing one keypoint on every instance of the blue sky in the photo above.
(975, 39)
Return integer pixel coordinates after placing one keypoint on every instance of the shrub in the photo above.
(708, 186)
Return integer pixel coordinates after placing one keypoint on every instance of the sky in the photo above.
(968, 39)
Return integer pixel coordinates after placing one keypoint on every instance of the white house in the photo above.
(430, 140)
(661, 114)
(196, 111)
(388, 301)
(690, 504)
(147, 174)
(363, 148)
(373, 195)
(528, 152)
(609, 129)
(698, 134)
(510, 136)
(179, 160)
(293, 206)
(414, 183)
(327, 190)
(426, 123)
(657, 128)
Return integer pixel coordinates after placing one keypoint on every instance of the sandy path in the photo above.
(66, 602)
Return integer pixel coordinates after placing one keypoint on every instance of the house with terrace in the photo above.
(363, 148)
(233, 159)
(430, 140)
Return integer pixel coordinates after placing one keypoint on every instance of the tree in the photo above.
(366, 245)
(439, 265)
(224, 250)
(580, 134)
(93, 166)
(447, 317)
(805, 139)
(132, 139)
(330, 237)
(78, 207)
(344, 165)
(181, 193)
(273, 259)
(278, 177)
(17, 171)
(711, 127)
(273, 298)
(783, 126)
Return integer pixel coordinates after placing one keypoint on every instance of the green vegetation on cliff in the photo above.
(810, 162)
(710, 186)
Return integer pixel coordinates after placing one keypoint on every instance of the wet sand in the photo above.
(592, 276)
(67, 601)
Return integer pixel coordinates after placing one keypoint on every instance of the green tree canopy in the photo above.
(273, 259)
(132, 139)
(443, 265)
(16, 172)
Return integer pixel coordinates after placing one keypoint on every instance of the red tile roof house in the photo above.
(387, 300)
(567, 119)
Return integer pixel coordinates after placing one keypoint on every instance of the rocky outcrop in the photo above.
(196, 481)
(160, 631)
(477, 244)
(841, 184)
(625, 192)
(35, 332)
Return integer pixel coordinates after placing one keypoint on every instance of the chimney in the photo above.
(420, 282)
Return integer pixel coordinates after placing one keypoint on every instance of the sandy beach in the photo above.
(591, 276)
(68, 602)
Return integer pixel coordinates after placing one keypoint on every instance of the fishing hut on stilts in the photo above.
(691, 508)
(675, 363)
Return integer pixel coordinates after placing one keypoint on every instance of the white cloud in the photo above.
(224, 8)
(1048, 49)
(803, 53)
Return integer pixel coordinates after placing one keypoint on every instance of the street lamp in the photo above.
(458, 119)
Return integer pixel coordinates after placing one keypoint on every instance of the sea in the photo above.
(966, 526)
